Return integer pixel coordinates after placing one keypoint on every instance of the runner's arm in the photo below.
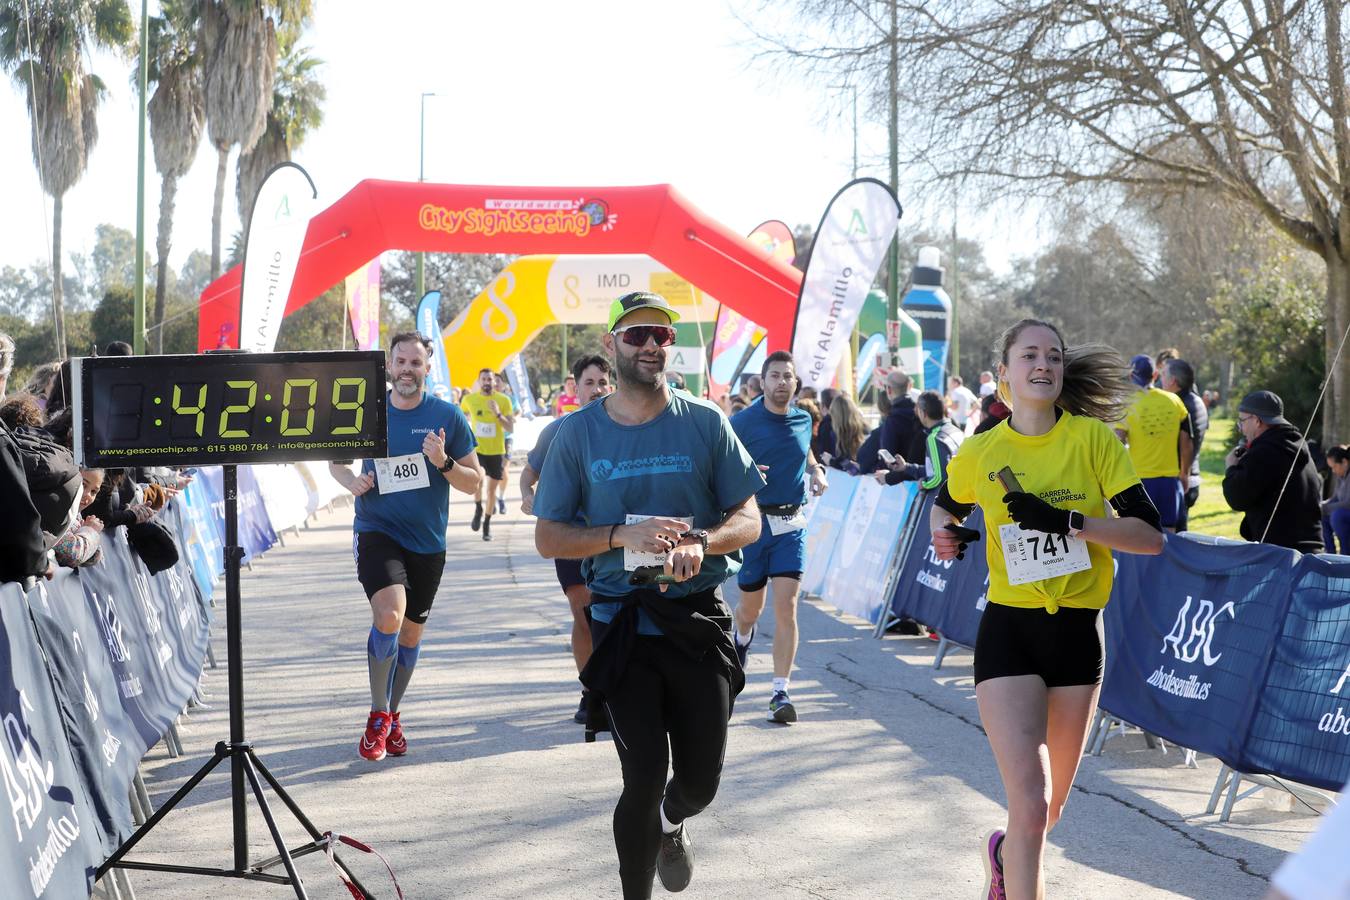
(465, 476)
(739, 529)
(1186, 453)
(528, 479)
(565, 540)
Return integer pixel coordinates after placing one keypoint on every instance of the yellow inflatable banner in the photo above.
(537, 291)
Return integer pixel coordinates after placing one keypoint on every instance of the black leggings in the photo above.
(663, 692)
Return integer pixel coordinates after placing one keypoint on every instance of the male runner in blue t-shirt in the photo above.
(663, 489)
(591, 376)
(778, 436)
(402, 504)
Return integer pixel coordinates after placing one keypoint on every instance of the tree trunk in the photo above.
(168, 187)
(1336, 406)
(222, 157)
(58, 312)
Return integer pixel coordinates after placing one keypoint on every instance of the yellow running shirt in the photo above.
(1153, 425)
(490, 434)
(1079, 464)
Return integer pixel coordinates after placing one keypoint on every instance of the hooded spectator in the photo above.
(1272, 479)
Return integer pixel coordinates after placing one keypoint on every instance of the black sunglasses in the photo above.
(638, 335)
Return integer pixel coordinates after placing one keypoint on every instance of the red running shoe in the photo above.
(993, 868)
(372, 744)
(396, 743)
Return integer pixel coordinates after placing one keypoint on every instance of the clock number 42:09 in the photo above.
(237, 418)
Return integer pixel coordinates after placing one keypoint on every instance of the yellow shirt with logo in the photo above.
(489, 432)
(1153, 424)
(1078, 464)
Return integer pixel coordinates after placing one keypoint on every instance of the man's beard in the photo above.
(406, 389)
(631, 373)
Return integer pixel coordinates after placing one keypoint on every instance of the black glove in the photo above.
(1031, 513)
(964, 535)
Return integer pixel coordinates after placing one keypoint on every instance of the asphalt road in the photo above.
(884, 789)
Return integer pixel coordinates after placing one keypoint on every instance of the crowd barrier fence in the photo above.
(97, 664)
(1234, 649)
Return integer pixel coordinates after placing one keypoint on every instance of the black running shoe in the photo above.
(781, 709)
(487, 528)
(477, 516)
(580, 715)
(675, 861)
(743, 650)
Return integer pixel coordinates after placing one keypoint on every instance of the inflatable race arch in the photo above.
(654, 220)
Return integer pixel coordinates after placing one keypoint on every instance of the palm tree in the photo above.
(43, 46)
(297, 109)
(177, 114)
(239, 50)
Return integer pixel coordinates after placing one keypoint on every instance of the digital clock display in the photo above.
(229, 408)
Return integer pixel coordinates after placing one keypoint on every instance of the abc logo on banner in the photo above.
(850, 244)
(276, 233)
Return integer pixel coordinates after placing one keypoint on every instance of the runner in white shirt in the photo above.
(960, 401)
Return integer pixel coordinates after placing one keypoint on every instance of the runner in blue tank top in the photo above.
(402, 507)
(778, 436)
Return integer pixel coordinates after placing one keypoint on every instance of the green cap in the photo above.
(640, 300)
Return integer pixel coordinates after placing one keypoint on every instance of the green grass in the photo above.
(1211, 514)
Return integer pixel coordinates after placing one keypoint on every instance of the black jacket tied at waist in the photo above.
(699, 625)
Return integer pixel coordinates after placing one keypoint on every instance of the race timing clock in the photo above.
(225, 408)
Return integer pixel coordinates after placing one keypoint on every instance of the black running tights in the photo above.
(663, 693)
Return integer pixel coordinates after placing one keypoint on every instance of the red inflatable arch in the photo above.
(376, 216)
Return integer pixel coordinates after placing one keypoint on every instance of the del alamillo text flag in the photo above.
(276, 232)
(850, 244)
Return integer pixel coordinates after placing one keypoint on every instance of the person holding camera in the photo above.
(402, 508)
(778, 436)
(655, 491)
(1271, 477)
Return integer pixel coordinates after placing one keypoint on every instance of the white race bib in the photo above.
(633, 559)
(402, 473)
(485, 429)
(1035, 556)
(783, 524)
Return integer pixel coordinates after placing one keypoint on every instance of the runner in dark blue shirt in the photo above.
(665, 490)
(402, 507)
(778, 436)
(592, 375)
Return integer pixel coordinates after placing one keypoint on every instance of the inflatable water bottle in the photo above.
(930, 306)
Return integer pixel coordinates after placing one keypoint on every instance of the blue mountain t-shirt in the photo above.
(415, 518)
(781, 443)
(686, 462)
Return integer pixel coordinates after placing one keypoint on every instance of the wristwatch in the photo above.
(1077, 522)
(699, 535)
(449, 464)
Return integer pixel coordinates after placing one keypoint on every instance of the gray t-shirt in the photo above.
(686, 462)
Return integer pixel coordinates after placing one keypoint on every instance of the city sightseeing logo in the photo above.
(577, 217)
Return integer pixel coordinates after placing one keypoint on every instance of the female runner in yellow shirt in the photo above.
(1043, 479)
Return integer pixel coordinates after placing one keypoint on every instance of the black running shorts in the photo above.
(569, 572)
(1064, 649)
(380, 562)
(493, 464)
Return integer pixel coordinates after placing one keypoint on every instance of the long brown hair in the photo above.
(849, 428)
(1095, 376)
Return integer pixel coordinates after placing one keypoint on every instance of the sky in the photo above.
(593, 93)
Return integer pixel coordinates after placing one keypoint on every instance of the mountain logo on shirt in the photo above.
(657, 464)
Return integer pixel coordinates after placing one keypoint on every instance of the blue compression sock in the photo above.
(380, 650)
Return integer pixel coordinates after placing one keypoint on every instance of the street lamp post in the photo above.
(138, 311)
(421, 176)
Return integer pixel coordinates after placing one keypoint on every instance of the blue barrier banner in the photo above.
(946, 595)
(1301, 728)
(822, 531)
(105, 744)
(255, 531)
(49, 845)
(1189, 636)
(856, 580)
(205, 543)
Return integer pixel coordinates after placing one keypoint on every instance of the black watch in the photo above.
(449, 464)
(700, 535)
(1077, 521)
